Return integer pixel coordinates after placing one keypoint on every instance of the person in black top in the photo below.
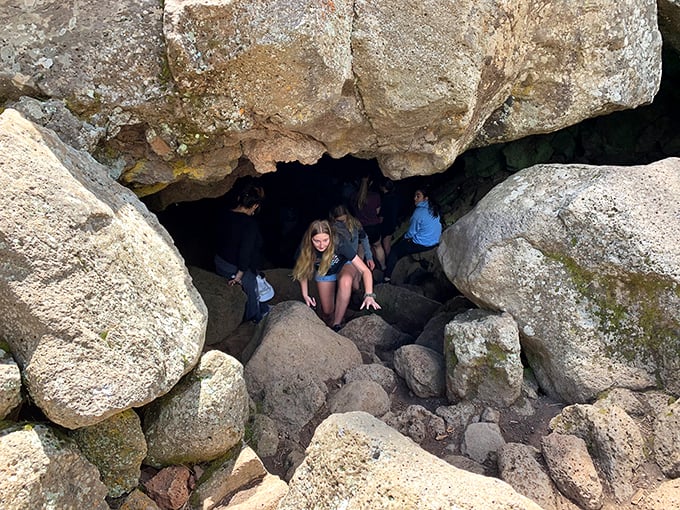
(322, 255)
(239, 247)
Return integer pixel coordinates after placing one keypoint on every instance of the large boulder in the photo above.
(483, 362)
(117, 447)
(96, 303)
(614, 439)
(39, 468)
(297, 355)
(192, 87)
(201, 418)
(586, 260)
(349, 449)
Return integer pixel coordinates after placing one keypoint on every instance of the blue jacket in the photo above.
(424, 228)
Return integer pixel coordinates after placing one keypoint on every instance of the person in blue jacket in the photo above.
(424, 231)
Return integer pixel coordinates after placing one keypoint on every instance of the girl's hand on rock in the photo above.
(310, 301)
(369, 302)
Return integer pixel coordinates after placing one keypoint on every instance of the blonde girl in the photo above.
(322, 255)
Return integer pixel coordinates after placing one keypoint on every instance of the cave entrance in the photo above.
(295, 195)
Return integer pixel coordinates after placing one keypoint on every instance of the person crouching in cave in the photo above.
(239, 248)
(323, 255)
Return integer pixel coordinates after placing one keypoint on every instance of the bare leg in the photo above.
(327, 298)
(345, 279)
(387, 246)
(378, 254)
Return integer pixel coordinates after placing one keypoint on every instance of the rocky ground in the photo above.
(515, 427)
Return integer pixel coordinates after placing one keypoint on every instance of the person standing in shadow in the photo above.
(239, 248)
(424, 231)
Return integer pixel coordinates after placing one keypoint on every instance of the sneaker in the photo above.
(337, 327)
(387, 279)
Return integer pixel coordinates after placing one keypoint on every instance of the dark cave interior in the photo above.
(296, 194)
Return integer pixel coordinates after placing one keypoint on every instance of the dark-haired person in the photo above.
(239, 247)
(323, 255)
(424, 231)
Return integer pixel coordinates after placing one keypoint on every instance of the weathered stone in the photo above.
(667, 440)
(457, 417)
(422, 368)
(225, 304)
(202, 417)
(39, 469)
(483, 362)
(265, 435)
(10, 384)
(137, 500)
(414, 86)
(519, 465)
(404, 309)
(417, 423)
(572, 469)
(384, 376)
(666, 495)
(228, 475)
(88, 275)
(169, 488)
(263, 496)
(367, 396)
(371, 332)
(615, 439)
(348, 449)
(117, 447)
(482, 441)
(297, 354)
(669, 22)
(432, 336)
(585, 259)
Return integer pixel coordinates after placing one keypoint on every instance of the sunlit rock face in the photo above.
(192, 90)
(586, 259)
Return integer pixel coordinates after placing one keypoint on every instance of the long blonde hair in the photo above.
(362, 194)
(304, 265)
(352, 224)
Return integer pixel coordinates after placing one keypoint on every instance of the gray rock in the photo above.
(89, 275)
(10, 384)
(422, 368)
(482, 441)
(588, 273)
(667, 440)
(297, 354)
(665, 496)
(483, 362)
(371, 332)
(458, 416)
(348, 449)
(572, 469)
(43, 470)
(116, 446)
(417, 423)
(265, 435)
(404, 309)
(519, 465)
(226, 304)
(201, 418)
(384, 376)
(616, 444)
(432, 336)
(362, 395)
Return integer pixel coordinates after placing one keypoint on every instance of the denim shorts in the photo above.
(326, 278)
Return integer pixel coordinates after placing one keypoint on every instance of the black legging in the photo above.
(401, 249)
